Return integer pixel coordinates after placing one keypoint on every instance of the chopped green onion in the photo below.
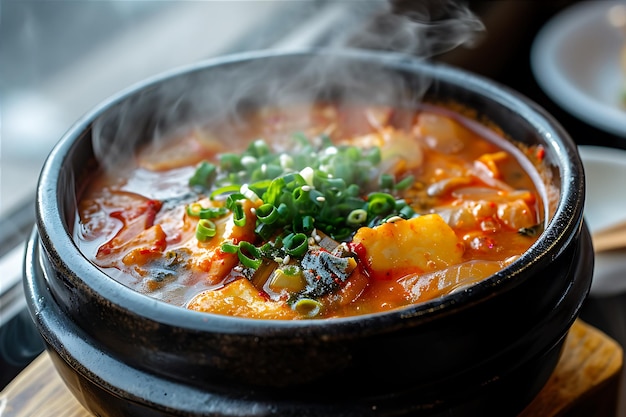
(249, 255)
(273, 192)
(259, 148)
(357, 217)
(342, 233)
(234, 205)
(405, 183)
(407, 212)
(249, 194)
(373, 155)
(229, 247)
(239, 216)
(308, 224)
(400, 204)
(259, 187)
(283, 210)
(300, 196)
(386, 181)
(334, 183)
(353, 153)
(266, 171)
(196, 210)
(317, 198)
(381, 203)
(205, 230)
(352, 190)
(308, 307)
(213, 212)
(227, 189)
(265, 230)
(344, 169)
(248, 161)
(296, 244)
(230, 162)
(204, 175)
(267, 214)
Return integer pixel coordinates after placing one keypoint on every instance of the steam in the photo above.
(225, 93)
(423, 28)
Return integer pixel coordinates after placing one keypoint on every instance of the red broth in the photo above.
(315, 213)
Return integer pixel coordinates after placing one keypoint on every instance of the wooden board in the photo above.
(584, 383)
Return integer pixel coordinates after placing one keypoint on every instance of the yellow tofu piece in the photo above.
(240, 298)
(422, 244)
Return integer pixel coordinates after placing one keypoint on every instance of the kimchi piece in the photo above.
(315, 213)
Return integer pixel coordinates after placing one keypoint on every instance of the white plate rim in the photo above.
(546, 71)
(609, 267)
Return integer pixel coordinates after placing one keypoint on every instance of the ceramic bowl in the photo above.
(576, 60)
(484, 350)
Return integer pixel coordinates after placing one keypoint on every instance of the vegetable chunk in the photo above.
(421, 244)
(240, 298)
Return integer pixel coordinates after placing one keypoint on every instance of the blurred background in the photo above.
(59, 59)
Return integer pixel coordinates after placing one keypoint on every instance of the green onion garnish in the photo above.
(196, 210)
(405, 183)
(230, 162)
(357, 217)
(204, 175)
(258, 148)
(234, 205)
(229, 247)
(308, 307)
(225, 190)
(296, 244)
(386, 181)
(308, 224)
(327, 187)
(267, 214)
(381, 203)
(407, 212)
(205, 230)
(249, 255)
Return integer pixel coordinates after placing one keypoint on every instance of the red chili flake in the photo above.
(152, 208)
(154, 204)
(264, 295)
(147, 251)
(358, 249)
(541, 153)
(117, 215)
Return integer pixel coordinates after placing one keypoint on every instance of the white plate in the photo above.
(605, 204)
(575, 59)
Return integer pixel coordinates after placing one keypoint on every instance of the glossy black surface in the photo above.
(450, 356)
(94, 376)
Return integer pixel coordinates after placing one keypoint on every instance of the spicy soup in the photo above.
(321, 212)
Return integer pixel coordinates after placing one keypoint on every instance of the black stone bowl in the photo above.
(484, 350)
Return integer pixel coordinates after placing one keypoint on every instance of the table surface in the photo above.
(584, 383)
